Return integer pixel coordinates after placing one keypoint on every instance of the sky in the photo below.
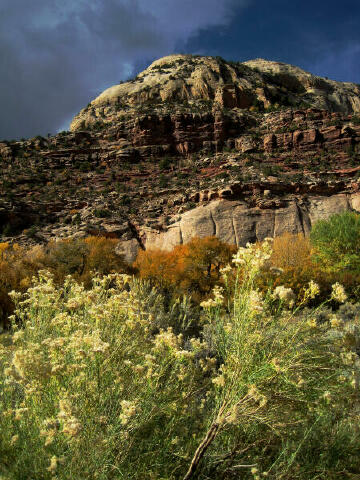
(57, 55)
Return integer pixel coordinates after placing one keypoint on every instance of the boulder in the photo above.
(128, 249)
(245, 144)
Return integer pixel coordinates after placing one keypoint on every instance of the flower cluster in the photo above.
(167, 339)
(285, 295)
(53, 465)
(128, 410)
(256, 301)
(71, 425)
(312, 290)
(29, 362)
(51, 427)
(217, 300)
(253, 256)
(338, 293)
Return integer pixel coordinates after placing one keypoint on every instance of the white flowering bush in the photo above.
(272, 388)
(88, 388)
(113, 383)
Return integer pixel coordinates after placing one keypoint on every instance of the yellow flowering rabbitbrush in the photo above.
(119, 381)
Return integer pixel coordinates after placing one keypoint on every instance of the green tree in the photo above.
(337, 242)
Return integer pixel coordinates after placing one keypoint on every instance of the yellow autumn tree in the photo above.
(291, 264)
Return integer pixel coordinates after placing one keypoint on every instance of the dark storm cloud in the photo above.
(320, 36)
(338, 62)
(56, 55)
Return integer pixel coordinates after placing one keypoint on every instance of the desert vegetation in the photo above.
(204, 362)
(79, 258)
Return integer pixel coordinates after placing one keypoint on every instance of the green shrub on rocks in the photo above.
(337, 242)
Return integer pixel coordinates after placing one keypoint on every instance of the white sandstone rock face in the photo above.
(235, 223)
(355, 201)
(322, 207)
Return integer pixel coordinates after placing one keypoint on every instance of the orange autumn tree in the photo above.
(203, 258)
(157, 266)
(8, 280)
(102, 258)
(292, 265)
(291, 251)
(77, 257)
(193, 268)
(16, 269)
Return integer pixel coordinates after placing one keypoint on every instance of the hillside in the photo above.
(193, 146)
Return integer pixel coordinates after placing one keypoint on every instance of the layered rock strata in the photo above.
(194, 146)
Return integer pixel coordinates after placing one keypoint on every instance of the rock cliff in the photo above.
(194, 146)
(187, 84)
(235, 223)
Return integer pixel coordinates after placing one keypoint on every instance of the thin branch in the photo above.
(200, 452)
(205, 444)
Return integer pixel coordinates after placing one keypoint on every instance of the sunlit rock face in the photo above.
(186, 83)
(235, 223)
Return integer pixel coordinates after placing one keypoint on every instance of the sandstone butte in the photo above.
(193, 146)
